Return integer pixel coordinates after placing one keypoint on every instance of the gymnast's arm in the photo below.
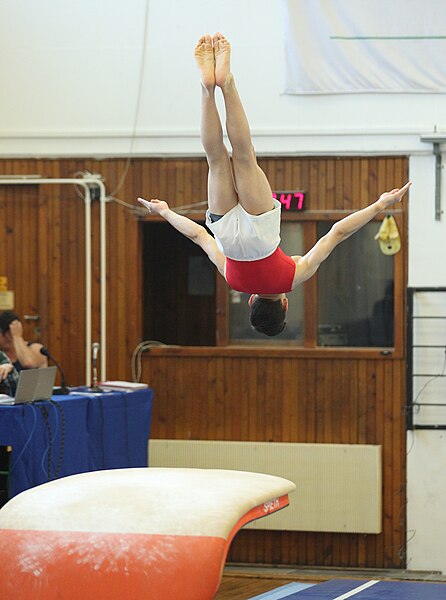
(307, 265)
(195, 232)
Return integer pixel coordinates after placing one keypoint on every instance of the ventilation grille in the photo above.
(338, 485)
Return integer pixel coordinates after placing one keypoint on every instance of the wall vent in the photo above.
(338, 485)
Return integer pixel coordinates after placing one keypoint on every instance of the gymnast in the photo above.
(242, 214)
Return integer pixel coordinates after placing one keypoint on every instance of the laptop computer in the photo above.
(33, 384)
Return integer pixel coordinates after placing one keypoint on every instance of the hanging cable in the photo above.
(136, 356)
(138, 101)
(429, 381)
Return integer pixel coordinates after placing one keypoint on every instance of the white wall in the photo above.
(71, 73)
(426, 459)
(427, 236)
(426, 522)
(102, 77)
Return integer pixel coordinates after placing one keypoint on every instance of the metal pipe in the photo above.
(103, 276)
(436, 139)
(87, 201)
(437, 155)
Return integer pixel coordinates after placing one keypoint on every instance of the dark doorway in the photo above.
(179, 289)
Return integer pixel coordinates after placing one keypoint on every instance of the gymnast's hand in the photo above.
(389, 198)
(154, 206)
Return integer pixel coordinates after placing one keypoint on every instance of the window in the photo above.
(350, 302)
(178, 289)
(355, 292)
(240, 330)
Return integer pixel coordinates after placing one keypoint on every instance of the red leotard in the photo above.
(271, 275)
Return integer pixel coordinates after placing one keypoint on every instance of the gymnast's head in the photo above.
(268, 314)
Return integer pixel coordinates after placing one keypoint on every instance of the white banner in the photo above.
(351, 46)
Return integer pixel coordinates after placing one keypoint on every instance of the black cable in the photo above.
(51, 438)
(58, 468)
(45, 416)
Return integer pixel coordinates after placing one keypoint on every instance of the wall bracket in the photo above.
(436, 140)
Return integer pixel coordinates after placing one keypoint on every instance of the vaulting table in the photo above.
(71, 434)
(129, 534)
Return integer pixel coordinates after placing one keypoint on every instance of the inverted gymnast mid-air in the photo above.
(242, 214)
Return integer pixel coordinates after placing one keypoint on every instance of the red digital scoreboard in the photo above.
(290, 201)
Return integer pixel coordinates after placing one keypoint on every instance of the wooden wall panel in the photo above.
(293, 400)
(213, 393)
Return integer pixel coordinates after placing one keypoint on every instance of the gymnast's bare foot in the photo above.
(204, 55)
(222, 53)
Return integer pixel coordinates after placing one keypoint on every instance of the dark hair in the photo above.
(6, 318)
(268, 316)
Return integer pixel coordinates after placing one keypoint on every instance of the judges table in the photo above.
(79, 432)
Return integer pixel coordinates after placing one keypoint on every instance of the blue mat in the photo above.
(283, 591)
(360, 590)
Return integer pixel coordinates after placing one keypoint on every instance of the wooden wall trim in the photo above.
(282, 352)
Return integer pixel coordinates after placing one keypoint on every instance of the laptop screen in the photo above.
(35, 384)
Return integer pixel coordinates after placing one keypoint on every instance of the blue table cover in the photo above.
(75, 433)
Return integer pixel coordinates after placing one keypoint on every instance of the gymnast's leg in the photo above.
(221, 191)
(253, 189)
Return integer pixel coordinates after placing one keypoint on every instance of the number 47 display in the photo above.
(290, 200)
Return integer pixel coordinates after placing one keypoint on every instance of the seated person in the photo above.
(8, 376)
(22, 354)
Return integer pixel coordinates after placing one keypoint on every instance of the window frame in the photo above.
(310, 220)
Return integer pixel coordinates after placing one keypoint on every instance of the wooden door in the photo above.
(19, 255)
(42, 255)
